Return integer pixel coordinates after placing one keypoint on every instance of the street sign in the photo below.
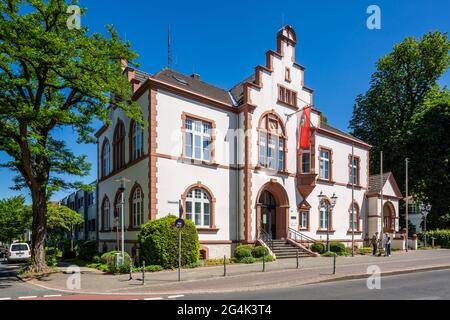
(179, 223)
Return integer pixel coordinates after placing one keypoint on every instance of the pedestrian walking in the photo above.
(388, 245)
(374, 241)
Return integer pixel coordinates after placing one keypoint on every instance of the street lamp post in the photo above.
(425, 210)
(328, 208)
(123, 181)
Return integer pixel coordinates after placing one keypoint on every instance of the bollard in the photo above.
(131, 271)
(334, 264)
(143, 272)
(432, 243)
(264, 263)
(298, 264)
(224, 265)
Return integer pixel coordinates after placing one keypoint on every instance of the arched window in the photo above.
(199, 206)
(117, 209)
(119, 146)
(136, 207)
(325, 218)
(355, 215)
(105, 158)
(136, 142)
(106, 214)
(272, 142)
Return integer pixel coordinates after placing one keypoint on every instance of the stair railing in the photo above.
(265, 237)
(299, 237)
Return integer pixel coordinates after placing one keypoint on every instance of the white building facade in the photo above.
(232, 158)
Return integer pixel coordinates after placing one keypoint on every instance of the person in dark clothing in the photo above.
(374, 242)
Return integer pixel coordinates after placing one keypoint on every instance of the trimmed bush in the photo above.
(159, 243)
(88, 249)
(110, 258)
(318, 247)
(267, 258)
(259, 251)
(243, 251)
(337, 247)
(329, 254)
(441, 237)
(248, 260)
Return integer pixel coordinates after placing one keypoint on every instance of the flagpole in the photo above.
(353, 198)
(381, 196)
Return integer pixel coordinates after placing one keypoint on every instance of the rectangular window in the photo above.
(355, 221)
(262, 149)
(323, 219)
(287, 96)
(306, 162)
(198, 140)
(271, 152)
(198, 213)
(325, 164)
(303, 221)
(353, 171)
(206, 214)
(280, 154)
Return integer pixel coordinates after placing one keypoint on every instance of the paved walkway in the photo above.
(281, 273)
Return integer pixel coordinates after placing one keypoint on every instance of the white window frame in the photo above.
(200, 137)
(308, 154)
(137, 208)
(303, 219)
(353, 172)
(106, 213)
(106, 160)
(325, 165)
(137, 141)
(355, 221)
(324, 223)
(198, 197)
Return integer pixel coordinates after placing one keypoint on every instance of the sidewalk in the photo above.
(281, 273)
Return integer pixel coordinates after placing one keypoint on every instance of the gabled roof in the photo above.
(193, 84)
(375, 185)
(326, 126)
(238, 90)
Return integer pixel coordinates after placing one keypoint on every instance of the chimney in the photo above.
(195, 76)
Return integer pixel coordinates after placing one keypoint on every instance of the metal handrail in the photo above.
(266, 237)
(299, 235)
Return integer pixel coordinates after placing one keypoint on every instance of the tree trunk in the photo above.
(39, 231)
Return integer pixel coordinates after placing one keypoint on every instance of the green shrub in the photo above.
(259, 251)
(110, 257)
(248, 260)
(318, 247)
(214, 262)
(267, 258)
(96, 259)
(193, 265)
(243, 251)
(441, 237)
(337, 247)
(87, 250)
(329, 254)
(365, 250)
(159, 243)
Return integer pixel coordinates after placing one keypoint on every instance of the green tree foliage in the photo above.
(431, 163)
(159, 243)
(61, 221)
(385, 115)
(14, 219)
(51, 78)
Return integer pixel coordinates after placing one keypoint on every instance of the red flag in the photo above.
(305, 128)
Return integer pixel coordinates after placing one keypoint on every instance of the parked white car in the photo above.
(18, 252)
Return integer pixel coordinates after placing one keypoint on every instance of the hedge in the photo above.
(337, 247)
(159, 243)
(318, 247)
(441, 237)
(243, 251)
(259, 251)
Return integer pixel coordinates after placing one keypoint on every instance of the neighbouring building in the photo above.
(232, 158)
(85, 204)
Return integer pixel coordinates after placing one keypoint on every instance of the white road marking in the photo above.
(28, 297)
(52, 295)
(157, 298)
(5, 298)
(177, 296)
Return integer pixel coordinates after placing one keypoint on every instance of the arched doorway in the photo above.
(389, 217)
(272, 210)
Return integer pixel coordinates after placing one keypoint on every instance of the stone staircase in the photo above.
(284, 250)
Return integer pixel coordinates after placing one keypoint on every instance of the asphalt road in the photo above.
(12, 287)
(431, 285)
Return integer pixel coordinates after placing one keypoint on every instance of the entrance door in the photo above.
(268, 209)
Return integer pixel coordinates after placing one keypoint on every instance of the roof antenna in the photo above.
(169, 53)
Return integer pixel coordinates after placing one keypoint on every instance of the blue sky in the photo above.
(224, 41)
